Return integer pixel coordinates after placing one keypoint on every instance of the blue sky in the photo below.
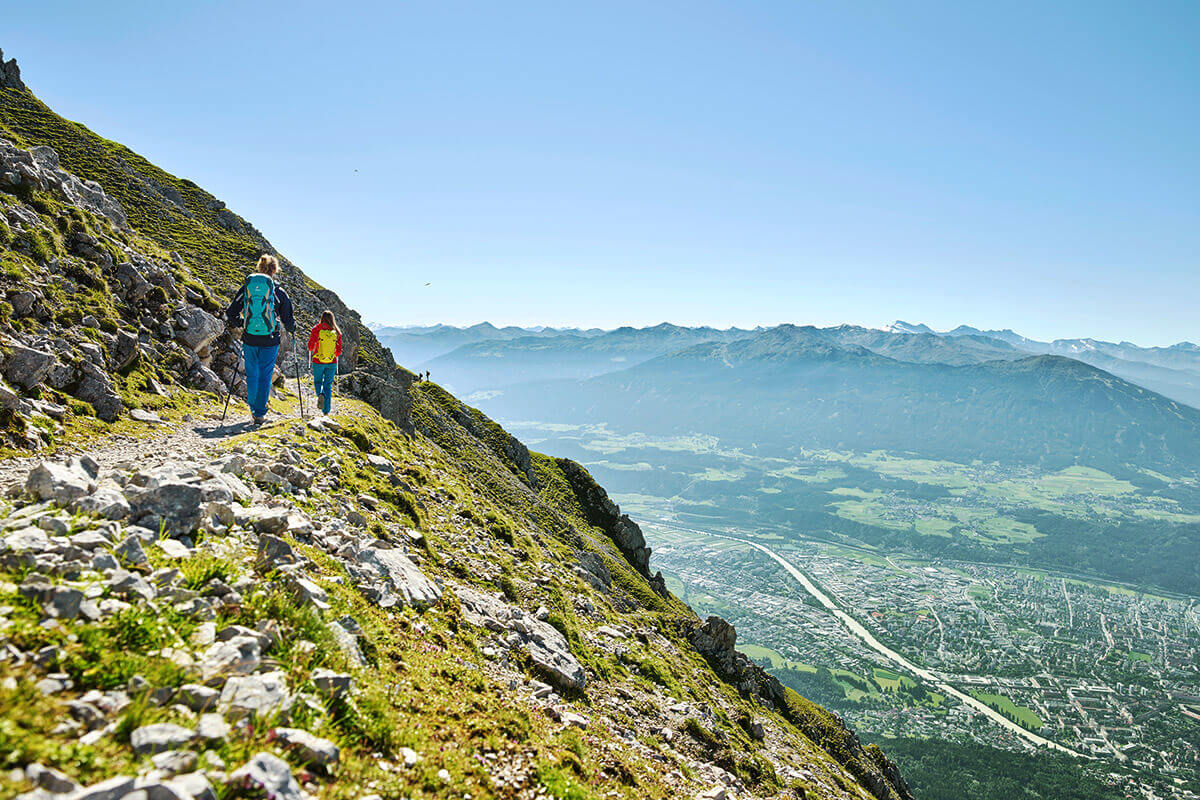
(1026, 165)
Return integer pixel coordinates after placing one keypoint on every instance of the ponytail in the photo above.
(328, 320)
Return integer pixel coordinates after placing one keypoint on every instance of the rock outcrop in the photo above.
(10, 73)
(38, 169)
(606, 515)
(715, 640)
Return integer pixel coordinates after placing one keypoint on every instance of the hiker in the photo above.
(325, 344)
(265, 308)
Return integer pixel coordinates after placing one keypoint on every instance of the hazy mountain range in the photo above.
(483, 357)
(792, 387)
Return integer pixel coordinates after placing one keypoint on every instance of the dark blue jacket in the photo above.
(283, 312)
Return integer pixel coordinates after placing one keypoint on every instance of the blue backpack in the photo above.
(258, 305)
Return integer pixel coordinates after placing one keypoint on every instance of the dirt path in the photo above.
(188, 438)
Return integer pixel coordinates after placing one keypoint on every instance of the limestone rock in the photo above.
(105, 502)
(310, 749)
(111, 789)
(547, 648)
(10, 73)
(334, 685)
(198, 698)
(130, 551)
(59, 482)
(240, 655)
(196, 328)
(400, 576)
(212, 727)
(150, 739)
(26, 366)
(269, 774)
(173, 505)
(50, 779)
(261, 694)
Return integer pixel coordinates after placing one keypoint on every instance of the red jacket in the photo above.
(312, 340)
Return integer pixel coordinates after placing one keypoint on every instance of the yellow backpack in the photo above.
(326, 347)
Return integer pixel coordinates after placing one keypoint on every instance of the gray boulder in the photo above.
(274, 552)
(312, 750)
(240, 655)
(262, 694)
(133, 283)
(174, 505)
(64, 604)
(50, 779)
(27, 366)
(127, 584)
(401, 576)
(547, 648)
(269, 520)
(212, 727)
(22, 303)
(157, 738)
(196, 328)
(94, 386)
(268, 774)
(334, 685)
(347, 642)
(104, 502)
(191, 786)
(198, 698)
(125, 350)
(59, 482)
(130, 551)
(111, 789)
(308, 592)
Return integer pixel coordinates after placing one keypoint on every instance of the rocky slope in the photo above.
(399, 601)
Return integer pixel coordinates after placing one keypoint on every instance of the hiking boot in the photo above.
(259, 420)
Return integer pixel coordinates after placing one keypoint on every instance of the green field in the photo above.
(711, 474)
(1023, 716)
(641, 466)
(808, 473)
(891, 681)
(778, 661)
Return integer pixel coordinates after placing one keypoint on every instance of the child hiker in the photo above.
(325, 344)
(262, 309)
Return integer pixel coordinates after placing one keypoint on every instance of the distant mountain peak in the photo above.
(900, 326)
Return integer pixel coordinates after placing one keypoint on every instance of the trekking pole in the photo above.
(299, 388)
(229, 395)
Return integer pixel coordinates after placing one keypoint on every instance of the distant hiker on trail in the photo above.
(325, 344)
(265, 308)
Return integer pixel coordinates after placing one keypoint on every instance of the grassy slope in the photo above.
(217, 245)
(430, 688)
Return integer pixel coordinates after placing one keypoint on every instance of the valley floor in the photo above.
(895, 644)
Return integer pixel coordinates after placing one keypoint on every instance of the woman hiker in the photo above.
(325, 344)
(261, 308)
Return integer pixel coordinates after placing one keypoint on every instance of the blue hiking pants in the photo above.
(323, 375)
(260, 369)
